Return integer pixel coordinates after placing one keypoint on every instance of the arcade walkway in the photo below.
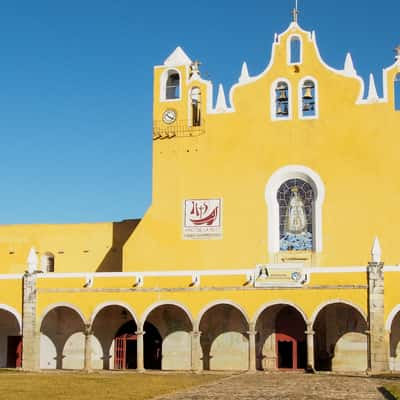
(288, 386)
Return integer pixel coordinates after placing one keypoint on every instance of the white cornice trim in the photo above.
(11, 276)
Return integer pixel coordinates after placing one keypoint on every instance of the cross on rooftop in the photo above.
(295, 12)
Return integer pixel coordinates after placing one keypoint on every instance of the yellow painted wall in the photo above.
(351, 146)
(76, 247)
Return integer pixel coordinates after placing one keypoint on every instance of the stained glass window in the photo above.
(295, 198)
(397, 92)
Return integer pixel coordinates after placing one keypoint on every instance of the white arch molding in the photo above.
(61, 305)
(106, 304)
(163, 84)
(278, 303)
(391, 317)
(300, 97)
(337, 301)
(289, 49)
(280, 176)
(14, 312)
(166, 303)
(220, 303)
(273, 95)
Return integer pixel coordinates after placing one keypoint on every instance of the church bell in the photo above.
(308, 93)
(282, 95)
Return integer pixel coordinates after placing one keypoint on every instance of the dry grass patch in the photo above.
(95, 386)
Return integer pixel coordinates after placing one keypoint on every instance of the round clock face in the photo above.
(169, 116)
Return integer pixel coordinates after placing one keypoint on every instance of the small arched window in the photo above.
(281, 101)
(295, 50)
(47, 262)
(295, 198)
(172, 85)
(308, 99)
(195, 106)
(397, 92)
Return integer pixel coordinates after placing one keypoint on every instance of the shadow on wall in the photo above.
(112, 261)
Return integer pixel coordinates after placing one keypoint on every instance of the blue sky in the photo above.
(76, 87)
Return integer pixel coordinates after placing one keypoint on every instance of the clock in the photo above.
(169, 116)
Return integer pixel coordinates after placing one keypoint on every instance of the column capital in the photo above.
(252, 332)
(310, 332)
(195, 333)
(139, 333)
(88, 329)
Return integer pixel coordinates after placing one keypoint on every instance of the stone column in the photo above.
(140, 350)
(252, 347)
(378, 360)
(87, 364)
(195, 351)
(30, 328)
(310, 347)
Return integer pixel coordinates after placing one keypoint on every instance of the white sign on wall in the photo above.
(202, 219)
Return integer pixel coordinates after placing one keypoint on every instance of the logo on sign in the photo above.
(202, 219)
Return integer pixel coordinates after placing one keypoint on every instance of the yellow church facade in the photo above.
(260, 249)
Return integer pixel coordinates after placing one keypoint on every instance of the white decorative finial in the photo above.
(372, 93)
(221, 101)
(89, 280)
(397, 50)
(32, 260)
(376, 251)
(195, 279)
(177, 57)
(244, 76)
(349, 66)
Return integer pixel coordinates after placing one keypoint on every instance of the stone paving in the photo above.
(286, 386)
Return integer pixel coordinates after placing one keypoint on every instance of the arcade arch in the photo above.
(62, 338)
(340, 341)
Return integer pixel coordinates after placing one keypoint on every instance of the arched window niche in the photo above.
(195, 106)
(294, 196)
(47, 262)
(170, 85)
(397, 92)
(308, 98)
(281, 100)
(294, 50)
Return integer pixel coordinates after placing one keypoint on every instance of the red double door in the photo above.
(14, 352)
(291, 350)
(125, 351)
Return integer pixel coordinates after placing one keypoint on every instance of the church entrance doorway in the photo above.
(125, 348)
(14, 352)
(291, 345)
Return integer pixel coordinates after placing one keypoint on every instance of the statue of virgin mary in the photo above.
(296, 219)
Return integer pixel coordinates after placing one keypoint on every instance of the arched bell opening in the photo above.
(397, 92)
(224, 338)
(170, 345)
(114, 333)
(62, 339)
(10, 340)
(281, 341)
(340, 341)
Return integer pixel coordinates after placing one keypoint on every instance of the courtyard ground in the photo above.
(183, 386)
(95, 386)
